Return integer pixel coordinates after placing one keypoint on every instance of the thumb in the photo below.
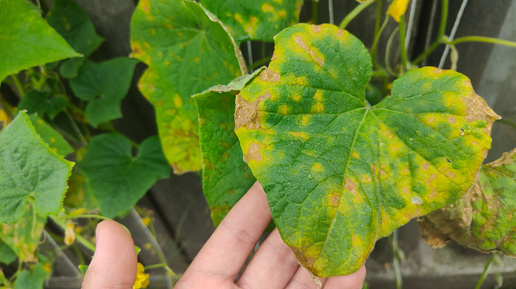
(114, 263)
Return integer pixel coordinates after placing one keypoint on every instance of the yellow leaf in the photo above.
(397, 9)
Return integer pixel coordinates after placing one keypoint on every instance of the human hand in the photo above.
(222, 257)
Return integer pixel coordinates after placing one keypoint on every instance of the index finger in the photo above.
(226, 251)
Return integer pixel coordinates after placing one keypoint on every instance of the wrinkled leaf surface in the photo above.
(29, 169)
(117, 179)
(187, 53)
(226, 177)
(258, 19)
(339, 173)
(484, 219)
(26, 40)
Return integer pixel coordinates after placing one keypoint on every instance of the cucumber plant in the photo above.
(341, 166)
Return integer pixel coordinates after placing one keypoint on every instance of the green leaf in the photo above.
(50, 136)
(103, 85)
(26, 40)
(29, 170)
(23, 237)
(118, 180)
(7, 255)
(34, 279)
(70, 20)
(484, 218)
(226, 177)
(257, 20)
(339, 173)
(187, 52)
(40, 102)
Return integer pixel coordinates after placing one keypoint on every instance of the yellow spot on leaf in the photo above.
(351, 186)
(282, 13)
(297, 97)
(266, 7)
(254, 152)
(318, 95)
(178, 102)
(306, 119)
(366, 179)
(283, 109)
(317, 167)
(153, 31)
(334, 199)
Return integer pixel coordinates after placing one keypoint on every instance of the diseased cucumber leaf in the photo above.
(339, 173)
(72, 22)
(23, 237)
(34, 279)
(226, 177)
(484, 218)
(258, 19)
(103, 85)
(79, 194)
(29, 170)
(117, 179)
(50, 136)
(26, 40)
(187, 52)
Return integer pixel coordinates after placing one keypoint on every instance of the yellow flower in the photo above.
(397, 9)
(69, 233)
(142, 279)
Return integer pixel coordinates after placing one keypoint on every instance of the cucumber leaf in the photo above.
(340, 173)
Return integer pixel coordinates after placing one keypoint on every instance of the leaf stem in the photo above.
(482, 39)
(485, 273)
(440, 36)
(404, 66)
(393, 238)
(330, 12)
(18, 85)
(376, 40)
(378, 18)
(354, 13)
(91, 217)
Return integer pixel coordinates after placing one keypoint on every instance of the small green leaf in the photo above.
(29, 169)
(103, 85)
(40, 102)
(83, 269)
(226, 177)
(340, 173)
(187, 52)
(23, 237)
(32, 280)
(50, 136)
(118, 180)
(258, 19)
(70, 20)
(26, 40)
(7, 255)
(484, 218)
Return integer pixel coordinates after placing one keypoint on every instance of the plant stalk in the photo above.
(354, 13)
(485, 273)
(404, 63)
(482, 39)
(440, 36)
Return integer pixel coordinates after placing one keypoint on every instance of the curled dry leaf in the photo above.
(484, 219)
